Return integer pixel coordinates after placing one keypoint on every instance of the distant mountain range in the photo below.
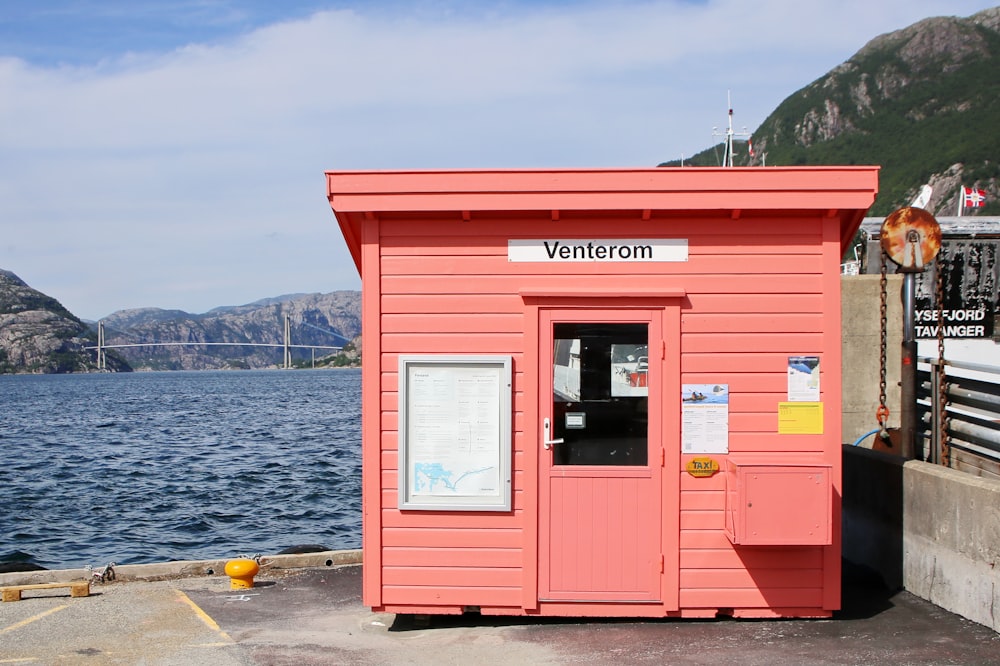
(922, 102)
(39, 335)
(324, 320)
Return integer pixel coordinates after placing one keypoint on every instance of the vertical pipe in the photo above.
(908, 370)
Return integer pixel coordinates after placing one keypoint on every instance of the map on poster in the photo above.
(454, 431)
(705, 418)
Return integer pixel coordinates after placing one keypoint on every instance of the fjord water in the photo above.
(158, 466)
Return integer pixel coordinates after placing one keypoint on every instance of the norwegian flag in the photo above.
(750, 146)
(973, 198)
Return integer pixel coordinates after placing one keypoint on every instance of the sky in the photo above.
(171, 153)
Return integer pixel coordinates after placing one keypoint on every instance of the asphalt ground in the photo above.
(314, 616)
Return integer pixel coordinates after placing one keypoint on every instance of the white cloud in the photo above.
(193, 178)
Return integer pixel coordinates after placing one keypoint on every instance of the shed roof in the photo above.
(842, 192)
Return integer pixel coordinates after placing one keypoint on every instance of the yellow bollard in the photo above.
(241, 572)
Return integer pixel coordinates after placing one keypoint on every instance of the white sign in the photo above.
(454, 435)
(803, 378)
(597, 249)
(454, 431)
(705, 418)
(958, 323)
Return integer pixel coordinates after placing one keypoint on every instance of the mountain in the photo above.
(921, 102)
(38, 335)
(324, 320)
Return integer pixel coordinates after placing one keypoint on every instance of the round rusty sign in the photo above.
(911, 237)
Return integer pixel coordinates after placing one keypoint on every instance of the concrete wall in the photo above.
(951, 540)
(931, 530)
(860, 312)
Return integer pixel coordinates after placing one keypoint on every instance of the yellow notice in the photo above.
(800, 418)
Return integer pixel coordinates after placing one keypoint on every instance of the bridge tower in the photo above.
(102, 361)
(288, 342)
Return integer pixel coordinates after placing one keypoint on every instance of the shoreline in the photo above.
(184, 568)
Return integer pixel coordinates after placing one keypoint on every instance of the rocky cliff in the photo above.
(38, 335)
(920, 102)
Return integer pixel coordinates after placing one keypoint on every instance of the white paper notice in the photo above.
(454, 431)
(803, 379)
(705, 418)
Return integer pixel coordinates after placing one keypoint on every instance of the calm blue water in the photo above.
(149, 467)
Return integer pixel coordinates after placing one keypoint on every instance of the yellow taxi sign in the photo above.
(702, 466)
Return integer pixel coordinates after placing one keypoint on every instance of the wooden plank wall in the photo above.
(755, 296)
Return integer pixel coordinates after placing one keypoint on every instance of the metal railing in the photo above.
(964, 433)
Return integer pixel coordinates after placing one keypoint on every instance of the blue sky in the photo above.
(171, 154)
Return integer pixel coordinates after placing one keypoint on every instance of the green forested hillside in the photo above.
(923, 103)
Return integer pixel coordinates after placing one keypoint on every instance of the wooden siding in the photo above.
(464, 558)
(366, 254)
(832, 403)
(754, 297)
(714, 573)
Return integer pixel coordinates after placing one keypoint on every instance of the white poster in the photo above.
(803, 379)
(705, 418)
(454, 433)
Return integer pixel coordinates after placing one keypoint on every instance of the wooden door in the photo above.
(601, 461)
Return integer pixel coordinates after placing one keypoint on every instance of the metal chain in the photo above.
(942, 374)
(882, 413)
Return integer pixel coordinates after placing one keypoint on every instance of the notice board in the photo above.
(455, 432)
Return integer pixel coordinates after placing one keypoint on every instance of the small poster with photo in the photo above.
(629, 370)
(705, 418)
(803, 378)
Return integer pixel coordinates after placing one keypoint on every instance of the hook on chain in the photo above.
(882, 416)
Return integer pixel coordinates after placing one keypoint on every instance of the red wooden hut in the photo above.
(602, 392)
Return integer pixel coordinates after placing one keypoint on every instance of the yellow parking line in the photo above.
(18, 625)
(212, 624)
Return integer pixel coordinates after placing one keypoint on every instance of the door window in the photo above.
(600, 393)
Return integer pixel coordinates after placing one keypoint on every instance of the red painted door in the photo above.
(601, 460)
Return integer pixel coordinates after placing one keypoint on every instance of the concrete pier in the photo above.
(314, 615)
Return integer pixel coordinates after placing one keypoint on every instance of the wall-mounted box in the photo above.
(779, 505)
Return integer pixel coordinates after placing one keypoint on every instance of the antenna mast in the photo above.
(727, 159)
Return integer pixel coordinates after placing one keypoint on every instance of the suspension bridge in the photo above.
(287, 345)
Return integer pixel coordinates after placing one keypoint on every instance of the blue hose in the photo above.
(866, 435)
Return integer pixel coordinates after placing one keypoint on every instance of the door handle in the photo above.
(547, 428)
